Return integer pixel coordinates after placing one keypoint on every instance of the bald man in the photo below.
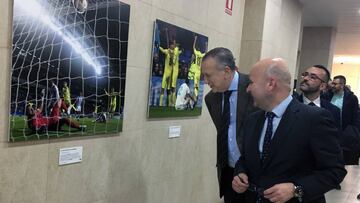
(290, 150)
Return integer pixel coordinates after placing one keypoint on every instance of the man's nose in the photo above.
(306, 77)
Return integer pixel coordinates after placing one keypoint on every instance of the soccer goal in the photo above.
(68, 68)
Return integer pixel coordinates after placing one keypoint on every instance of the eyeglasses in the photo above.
(312, 76)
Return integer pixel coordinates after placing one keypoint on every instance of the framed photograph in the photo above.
(68, 68)
(176, 85)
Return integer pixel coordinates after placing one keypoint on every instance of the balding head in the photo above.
(271, 82)
(275, 68)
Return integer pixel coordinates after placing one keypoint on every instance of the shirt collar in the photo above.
(341, 94)
(279, 110)
(316, 101)
(234, 83)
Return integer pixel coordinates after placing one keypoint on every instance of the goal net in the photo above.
(75, 47)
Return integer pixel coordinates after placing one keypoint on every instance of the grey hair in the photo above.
(223, 57)
(281, 73)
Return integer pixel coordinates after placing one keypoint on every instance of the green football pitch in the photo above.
(166, 112)
(20, 132)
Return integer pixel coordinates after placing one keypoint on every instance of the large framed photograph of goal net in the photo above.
(68, 68)
(176, 85)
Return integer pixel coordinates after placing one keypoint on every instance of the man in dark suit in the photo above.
(314, 81)
(228, 104)
(348, 103)
(344, 99)
(290, 150)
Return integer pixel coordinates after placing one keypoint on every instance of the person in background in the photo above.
(348, 104)
(314, 81)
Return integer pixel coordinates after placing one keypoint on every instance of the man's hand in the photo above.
(280, 193)
(240, 183)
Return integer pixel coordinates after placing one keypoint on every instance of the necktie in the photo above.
(311, 104)
(268, 134)
(223, 137)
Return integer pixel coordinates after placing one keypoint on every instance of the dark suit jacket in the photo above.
(244, 108)
(334, 110)
(349, 119)
(349, 109)
(304, 151)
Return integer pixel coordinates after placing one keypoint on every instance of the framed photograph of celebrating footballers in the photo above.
(68, 68)
(176, 85)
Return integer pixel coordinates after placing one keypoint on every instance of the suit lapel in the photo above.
(282, 132)
(323, 104)
(255, 138)
(242, 104)
(217, 106)
(242, 99)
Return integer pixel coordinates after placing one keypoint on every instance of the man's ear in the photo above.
(228, 71)
(322, 86)
(271, 84)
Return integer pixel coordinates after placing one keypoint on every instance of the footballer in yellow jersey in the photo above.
(195, 71)
(168, 69)
(171, 71)
(67, 97)
(66, 94)
(175, 71)
(113, 101)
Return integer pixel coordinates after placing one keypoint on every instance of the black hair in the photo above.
(341, 78)
(223, 56)
(327, 73)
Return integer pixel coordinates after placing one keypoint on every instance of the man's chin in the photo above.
(215, 90)
(303, 89)
(303, 85)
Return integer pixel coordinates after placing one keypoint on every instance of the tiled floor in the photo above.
(350, 188)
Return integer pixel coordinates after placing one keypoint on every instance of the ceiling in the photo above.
(343, 15)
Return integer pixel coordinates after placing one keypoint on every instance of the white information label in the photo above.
(174, 131)
(70, 155)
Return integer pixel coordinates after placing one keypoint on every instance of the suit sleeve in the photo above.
(209, 107)
(354, 107)
(328, 169)
(337, 118)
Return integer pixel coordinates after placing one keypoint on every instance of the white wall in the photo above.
(271, 29)
(282, 28)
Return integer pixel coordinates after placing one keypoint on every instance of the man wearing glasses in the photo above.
(348, 103)
(314, 81)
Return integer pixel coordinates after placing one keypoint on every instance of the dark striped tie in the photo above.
(268, 134)
(223, 136)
